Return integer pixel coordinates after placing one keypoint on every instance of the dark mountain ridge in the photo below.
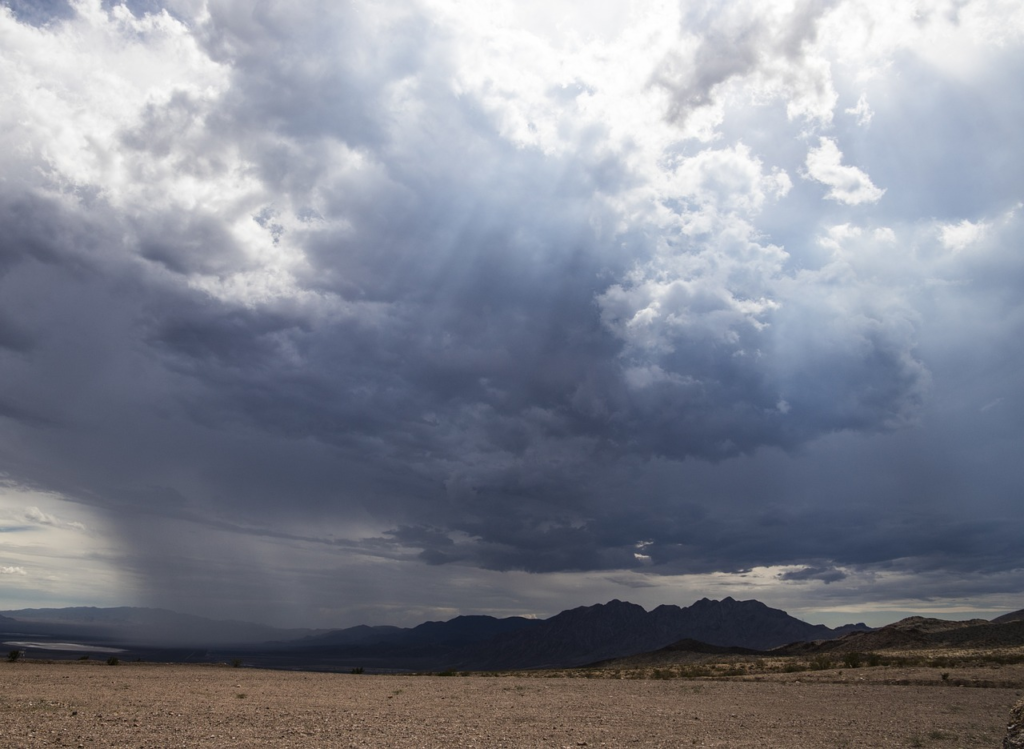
(604, 631)
(918, 633)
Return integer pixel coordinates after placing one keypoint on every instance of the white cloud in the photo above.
(862, 111)
(38, 516)
(12, 571)
(960, 236)
(847, 184)
(752, 52)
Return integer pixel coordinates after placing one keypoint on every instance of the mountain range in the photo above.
(574, 637)
(593, 633)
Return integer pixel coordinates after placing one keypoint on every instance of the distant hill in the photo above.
(133, 626)
(454, 633)
(919, 633)
(1014, 616)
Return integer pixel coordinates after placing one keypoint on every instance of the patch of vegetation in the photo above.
(904, 661)
(241, 695)
(694, 672)
(1004, 659)
(236, 663)
(447, 672)
(852, 660)
(14, 655)
(113, 660)
(357, 670)
(821, 662)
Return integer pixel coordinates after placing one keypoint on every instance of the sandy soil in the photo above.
(91, 704)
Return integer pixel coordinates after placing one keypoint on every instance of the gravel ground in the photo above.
(91, 704)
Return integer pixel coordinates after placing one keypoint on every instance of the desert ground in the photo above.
(93, 704)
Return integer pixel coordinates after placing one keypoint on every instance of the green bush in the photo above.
(14, 655)
(113, 660)
(356, 670)
(852, 660)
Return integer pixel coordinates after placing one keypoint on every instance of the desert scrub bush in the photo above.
(695, 671)
(793, 668)
(14, 655)
(821, 662)
(874, 659)
(852, 660)
(357, 670)
(113, 660)
(236, 663)
(1004, 659)
(447, 672)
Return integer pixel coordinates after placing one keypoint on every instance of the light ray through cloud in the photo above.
(313, 312)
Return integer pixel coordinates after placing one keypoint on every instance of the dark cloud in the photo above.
(325, 303)
(825, 574)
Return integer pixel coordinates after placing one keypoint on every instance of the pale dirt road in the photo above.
(93, 705)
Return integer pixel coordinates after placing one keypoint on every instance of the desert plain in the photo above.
(90, 704)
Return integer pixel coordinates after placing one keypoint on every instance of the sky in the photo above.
(329, 313)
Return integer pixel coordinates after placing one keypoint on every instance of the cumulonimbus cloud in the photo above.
(421, 266)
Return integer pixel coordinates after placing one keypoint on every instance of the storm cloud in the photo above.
(313, 301)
